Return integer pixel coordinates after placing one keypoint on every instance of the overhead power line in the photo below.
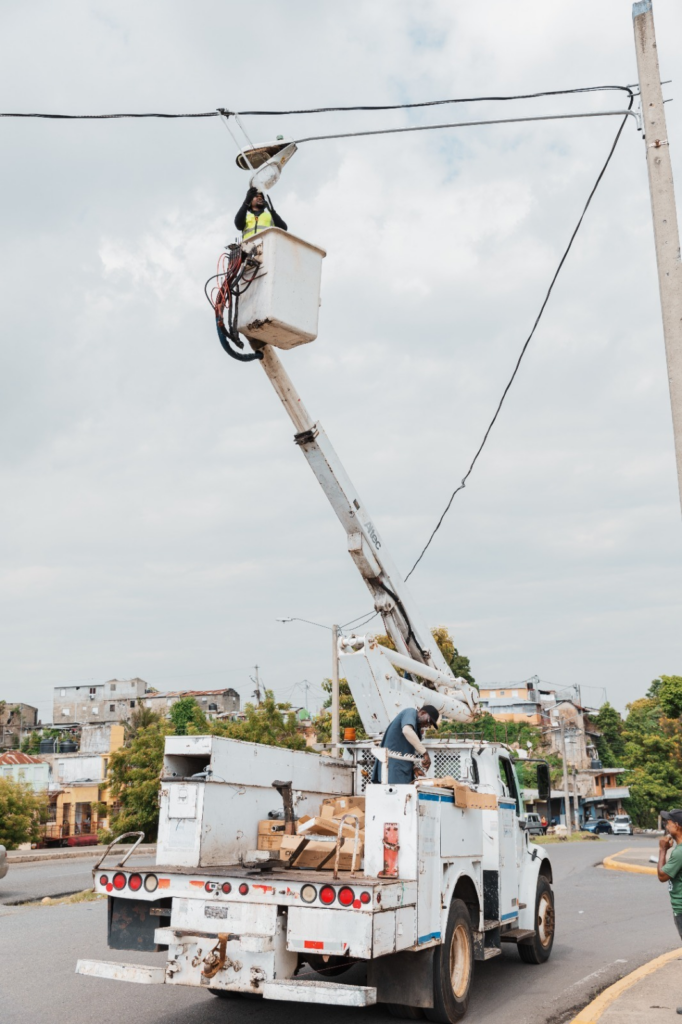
(328, 110)
(527, 342)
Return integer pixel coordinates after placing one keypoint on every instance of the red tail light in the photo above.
(227, 888)
(346, 896)
(327, 894)
(365, 897)
(243, 888)
(103, 879)
(135, 882)
(119, 880)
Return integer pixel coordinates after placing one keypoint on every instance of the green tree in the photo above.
(610, 744)
(188, 718)
(669, 695)
(141, 718)
(349, 717)
(21, 813)
(134, 772)
(271, 722)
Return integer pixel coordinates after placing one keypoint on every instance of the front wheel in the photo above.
(538, 950)
(453, 968)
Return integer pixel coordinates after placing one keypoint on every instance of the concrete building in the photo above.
(513, 702)
(15, 720)
(80, 802)
(113, 701)
(214, 703)
(34, 771)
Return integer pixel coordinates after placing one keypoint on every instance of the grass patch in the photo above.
(86, 896)
(577, 837)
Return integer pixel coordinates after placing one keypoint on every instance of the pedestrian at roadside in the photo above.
(670, 871)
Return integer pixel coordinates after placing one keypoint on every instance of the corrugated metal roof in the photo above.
(190, 693)
(16, 757)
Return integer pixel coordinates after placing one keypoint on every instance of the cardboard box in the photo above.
(272, 842)
(270, 827)
(315, 853)
(329, 827)
(465, 796)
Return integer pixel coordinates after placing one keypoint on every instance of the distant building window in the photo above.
(503, 693)
(515, 693)
(204, 699)
(66, 711)
(212, 707)
(112, 686)
(132, 703)
(93, 690)
(62, 693)
(148, 703)
(95, 711)
(112, 707)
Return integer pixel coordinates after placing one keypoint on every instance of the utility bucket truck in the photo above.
(278, 871)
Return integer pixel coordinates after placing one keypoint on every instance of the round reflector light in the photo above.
(119, 880)
(365, 897)
(346, 896)
(135, 882)
(151, 883)
(243, 888)
(327, 894)
(227, 888)
(308, 893)
(103, 879)
(110, 887)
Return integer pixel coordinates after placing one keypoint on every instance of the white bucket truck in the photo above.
(447, 873)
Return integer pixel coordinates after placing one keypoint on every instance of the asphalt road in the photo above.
(608, 923)
(32, 881)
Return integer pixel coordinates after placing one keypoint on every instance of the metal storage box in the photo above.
(281, 306)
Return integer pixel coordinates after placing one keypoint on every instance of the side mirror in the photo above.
(544, 783)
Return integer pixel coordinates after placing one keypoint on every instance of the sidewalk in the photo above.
(650, 995)
(71, 853)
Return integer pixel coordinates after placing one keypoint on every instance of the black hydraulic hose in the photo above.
(243, 357)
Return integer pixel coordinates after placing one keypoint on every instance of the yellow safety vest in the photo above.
(256, 223)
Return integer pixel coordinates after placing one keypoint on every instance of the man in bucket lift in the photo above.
(404, 736)
(254, 215)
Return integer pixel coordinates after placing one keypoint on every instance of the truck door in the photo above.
(509, 809)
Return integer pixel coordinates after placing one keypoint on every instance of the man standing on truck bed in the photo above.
(254, 215)
(404, 736)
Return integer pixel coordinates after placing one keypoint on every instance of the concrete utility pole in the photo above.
(335, 690)
(576, 808)
(661, 188)
(567, 799)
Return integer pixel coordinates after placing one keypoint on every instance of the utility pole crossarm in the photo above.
(664, 212)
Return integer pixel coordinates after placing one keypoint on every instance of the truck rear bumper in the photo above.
(139, 973)
(320, 992)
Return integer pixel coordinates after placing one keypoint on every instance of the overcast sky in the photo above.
(156, 517)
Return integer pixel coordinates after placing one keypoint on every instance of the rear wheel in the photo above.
(538, 950)
(406, 1012)
(453, 967)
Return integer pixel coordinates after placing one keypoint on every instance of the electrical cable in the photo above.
(466, 476)
(468, 124)
(326, 110)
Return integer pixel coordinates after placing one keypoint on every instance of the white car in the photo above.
(3, 862)
(621, 825)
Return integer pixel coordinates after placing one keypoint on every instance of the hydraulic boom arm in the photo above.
(403, 623)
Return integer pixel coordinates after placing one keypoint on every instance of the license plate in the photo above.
(215, 910)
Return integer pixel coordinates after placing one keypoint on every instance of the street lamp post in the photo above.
(334, 676)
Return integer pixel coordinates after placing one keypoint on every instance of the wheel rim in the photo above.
(460, 961)
(545, 920)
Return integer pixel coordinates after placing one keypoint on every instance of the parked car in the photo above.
(4, 866)
(534, 825)
(621, 825)
(598, 825)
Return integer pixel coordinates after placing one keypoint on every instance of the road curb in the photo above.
(34, 856)
(619, 865)
(591, 1013)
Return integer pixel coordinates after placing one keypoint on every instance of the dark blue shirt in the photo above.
(399, 771)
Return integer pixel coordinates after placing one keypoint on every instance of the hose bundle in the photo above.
(236, 271)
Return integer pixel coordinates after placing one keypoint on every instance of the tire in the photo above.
(539, 949)
(453, 968)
